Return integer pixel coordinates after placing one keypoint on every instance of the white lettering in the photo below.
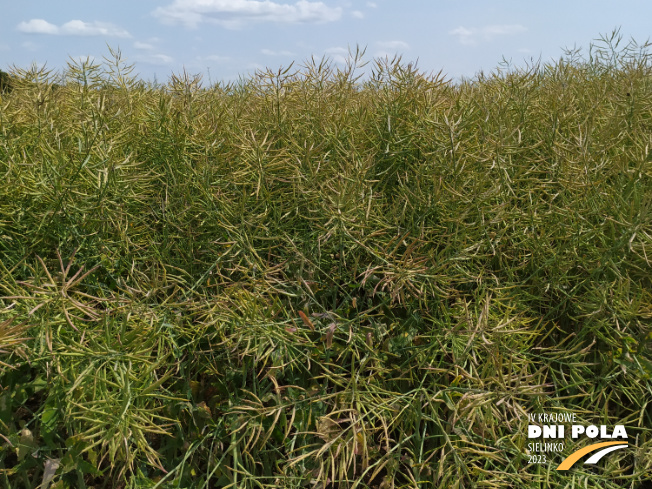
(553, 431)
(576, 430)
(545, 447)
(592, 431)
(619, 432)
(533, 431)
(549, 431)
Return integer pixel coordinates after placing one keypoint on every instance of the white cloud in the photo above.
(72, 28)
(143, 45)
(502, 30)
(216, 58)
(471, 36)
(255, 67)
(337, 50)
(81, 28)
(155, 59)
(357, 14)
(465, 36)
(393, 45)
(234, 13)
(372, 4)
(37, 26)
(338, 55)
(30, 46)
(269, 52)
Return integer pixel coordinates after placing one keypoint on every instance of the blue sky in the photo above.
(228, 38)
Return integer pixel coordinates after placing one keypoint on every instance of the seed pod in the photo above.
(306, 320)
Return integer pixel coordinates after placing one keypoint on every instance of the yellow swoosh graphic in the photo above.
(575, 456)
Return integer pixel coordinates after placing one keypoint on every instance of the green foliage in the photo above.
(313, 279)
